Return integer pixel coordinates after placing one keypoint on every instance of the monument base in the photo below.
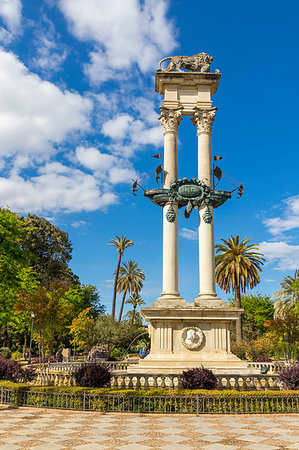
(188, 335)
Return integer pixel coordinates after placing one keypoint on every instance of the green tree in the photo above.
(85, 296)
(287, 298)
(138, 320)
(120, 244)
(257, 310)
(114, 334)
(129, 281)
(15, 272)
(52, 313)
(51, 250)
(237, 269)
(135, 300)
(82, 330)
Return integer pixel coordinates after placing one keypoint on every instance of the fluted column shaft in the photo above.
(170, 119)
(203, 119)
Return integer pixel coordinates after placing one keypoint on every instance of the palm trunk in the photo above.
(239, 320)
(115, 284)
(133, 315)
(122, 306)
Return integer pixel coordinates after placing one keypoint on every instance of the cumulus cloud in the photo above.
(10, 11)
(191, 235)
(124, 33)
(289, 219)
(129, 134)
(57, 188)
(105, 166)
(285, 256)
(35, 114)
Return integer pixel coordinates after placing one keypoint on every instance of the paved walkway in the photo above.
(24, 428)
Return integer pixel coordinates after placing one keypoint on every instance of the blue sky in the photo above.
(79, 121)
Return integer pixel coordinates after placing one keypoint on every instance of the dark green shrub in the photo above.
(198, 378)
(289, 376)
(5, 352)
(92, 375)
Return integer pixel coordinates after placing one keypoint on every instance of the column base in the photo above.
(169, 300)
(209, 301)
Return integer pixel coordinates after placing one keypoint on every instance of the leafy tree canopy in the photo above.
(85, 296)
(51, 250)
(257, 309)
(15, 272)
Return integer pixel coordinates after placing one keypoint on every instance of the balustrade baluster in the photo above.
(123, 382)
(146, 383)
(171, 383)
(219, 379)
(155, 383)
(138, 384)
(131, 385)
(163, 385)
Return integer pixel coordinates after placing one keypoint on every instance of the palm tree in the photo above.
(288, 296)
(135, 300)
(237, 269)
(120, 244)
(129, 281)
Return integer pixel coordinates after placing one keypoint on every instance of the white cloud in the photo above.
(10, 11)
(289, 219)
(106, 167)
(285, 256)
(130, 134)
(57, 188)
(35, 114)
(79, 224)
(118, 128)
(50, 52)
(124, 32)
(191, 235)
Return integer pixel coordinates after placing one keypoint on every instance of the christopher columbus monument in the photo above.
(186, 334)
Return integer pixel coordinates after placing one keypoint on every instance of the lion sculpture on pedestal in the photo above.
(201, 61)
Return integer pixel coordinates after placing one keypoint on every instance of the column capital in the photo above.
(170, 119)
(203, 118)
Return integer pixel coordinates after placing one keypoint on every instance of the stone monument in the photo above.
(188, 334)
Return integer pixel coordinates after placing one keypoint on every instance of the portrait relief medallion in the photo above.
(192, 338)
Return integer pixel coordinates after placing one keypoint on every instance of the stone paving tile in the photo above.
(49, 429)
(263, 447)
(251, 438)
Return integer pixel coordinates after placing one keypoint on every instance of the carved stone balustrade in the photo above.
(120, 380)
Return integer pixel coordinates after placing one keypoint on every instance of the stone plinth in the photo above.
(187, 89)
(188, 336)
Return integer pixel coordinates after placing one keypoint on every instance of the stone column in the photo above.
(170, 119)
(203, 119)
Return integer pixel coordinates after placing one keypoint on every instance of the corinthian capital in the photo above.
(170, 119)
(203, 119)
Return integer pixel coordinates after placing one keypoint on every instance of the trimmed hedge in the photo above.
(150, 401)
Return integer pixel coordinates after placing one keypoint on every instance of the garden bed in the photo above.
(150, 401)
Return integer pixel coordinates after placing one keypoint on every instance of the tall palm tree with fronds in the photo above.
(120, 244)
(130, 281)
(237, 269)
(288, 296)
(135, 300)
